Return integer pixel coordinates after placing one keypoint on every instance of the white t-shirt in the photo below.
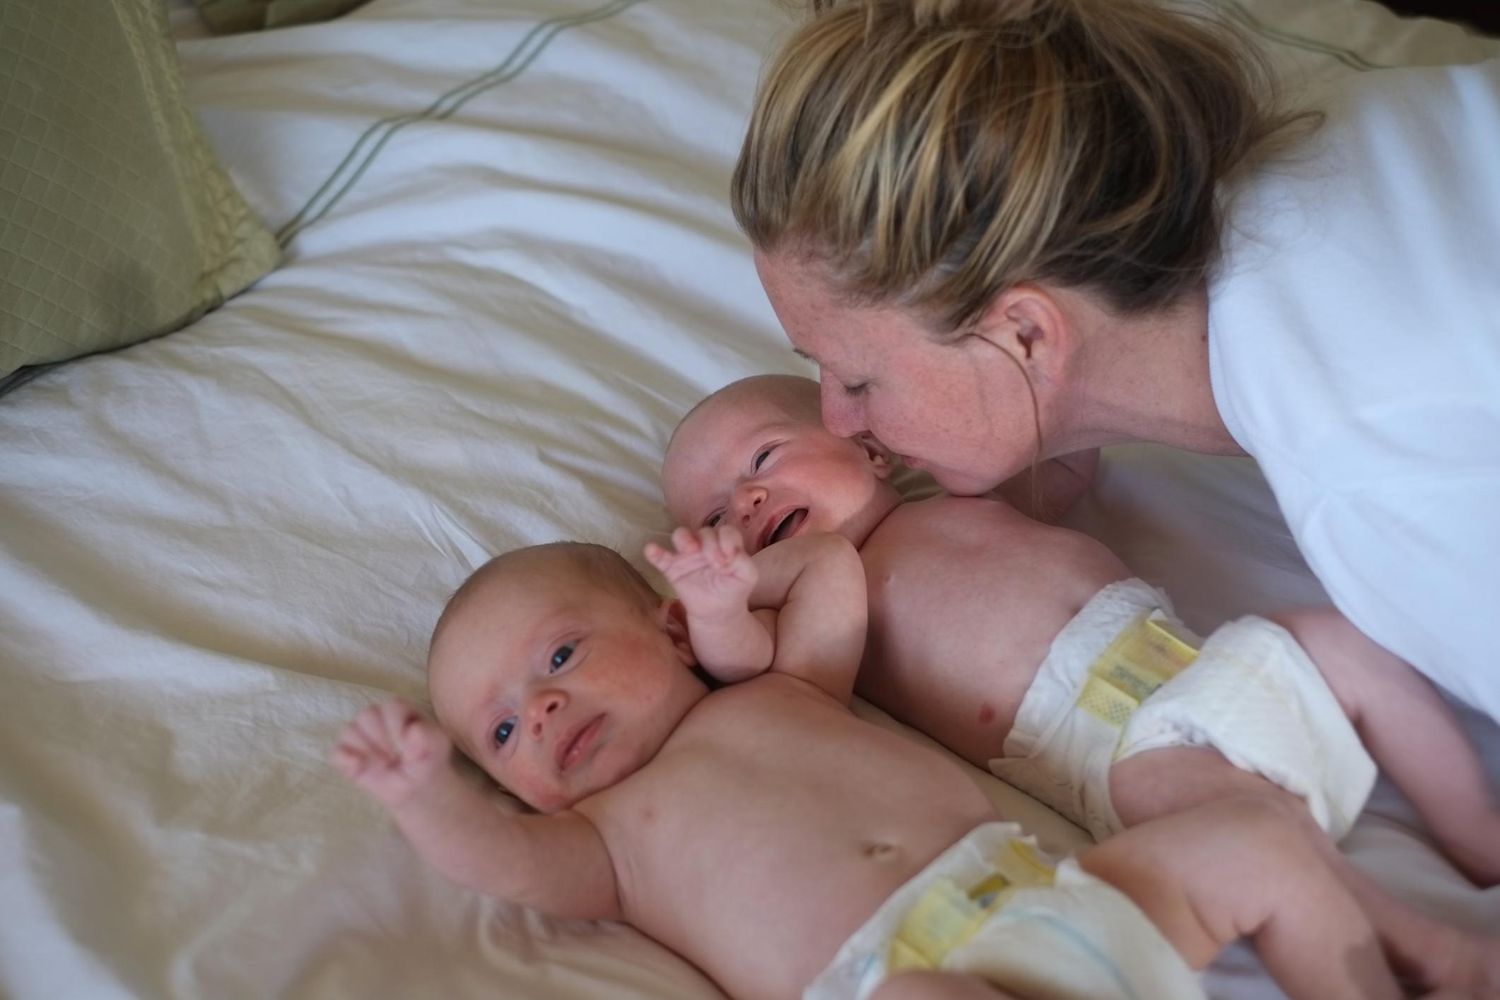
(1354, 346)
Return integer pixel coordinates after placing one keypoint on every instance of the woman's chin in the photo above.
(961, 484)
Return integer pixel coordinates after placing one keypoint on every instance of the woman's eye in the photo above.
(503, 731)
(712, 520)
(760, 458)
(561, 656)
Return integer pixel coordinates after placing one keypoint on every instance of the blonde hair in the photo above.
(936, 152)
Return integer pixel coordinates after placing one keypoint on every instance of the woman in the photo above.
(1012, 231)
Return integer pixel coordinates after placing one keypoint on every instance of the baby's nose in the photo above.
(749, 499)
(543, 705)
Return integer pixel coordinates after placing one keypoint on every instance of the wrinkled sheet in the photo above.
(510, 267)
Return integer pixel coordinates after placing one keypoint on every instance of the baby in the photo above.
(767, 834)
(1030, 650)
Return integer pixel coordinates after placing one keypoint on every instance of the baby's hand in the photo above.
(392, 751)
(710, 570)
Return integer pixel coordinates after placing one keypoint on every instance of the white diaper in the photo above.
(1251, 693)
(994, 906)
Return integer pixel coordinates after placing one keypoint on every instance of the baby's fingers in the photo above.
(686, 542)
(354, 753)
(350, 761)
(369, 724)
(658, 556)
(729, 541)
(396, 721)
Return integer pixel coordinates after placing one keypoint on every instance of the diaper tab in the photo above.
(945, 916)
(1144, 656)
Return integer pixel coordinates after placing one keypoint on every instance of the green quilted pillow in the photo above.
(116, 221)
(250, 15)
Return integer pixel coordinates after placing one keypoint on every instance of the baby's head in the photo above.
(756, 454)
(559, 671)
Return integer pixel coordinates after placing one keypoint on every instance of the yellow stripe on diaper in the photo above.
(945, 916)
(1143, 657)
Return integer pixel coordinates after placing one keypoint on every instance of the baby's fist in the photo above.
(392, 751)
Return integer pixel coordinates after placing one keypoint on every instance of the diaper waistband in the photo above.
(1121, 646)
(1147, 653)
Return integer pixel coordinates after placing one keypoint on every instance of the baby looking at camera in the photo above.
(768, 835)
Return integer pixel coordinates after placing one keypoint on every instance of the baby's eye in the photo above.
(503, 731)
(760, 457)
(712, 520)
(560, 657)
(856, 389)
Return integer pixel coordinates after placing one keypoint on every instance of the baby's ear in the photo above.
(878, 454)
(672, 617)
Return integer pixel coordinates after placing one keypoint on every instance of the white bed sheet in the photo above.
(219, 544)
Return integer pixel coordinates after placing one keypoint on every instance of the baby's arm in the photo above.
(557, 864)
(714, 578)
(818, 583)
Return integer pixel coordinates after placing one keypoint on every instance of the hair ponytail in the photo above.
(937, 152)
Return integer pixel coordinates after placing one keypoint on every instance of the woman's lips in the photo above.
(578, 743)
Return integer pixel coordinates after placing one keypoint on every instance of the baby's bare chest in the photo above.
(779, 824)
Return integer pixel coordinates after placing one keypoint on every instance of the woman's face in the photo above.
(961, 410)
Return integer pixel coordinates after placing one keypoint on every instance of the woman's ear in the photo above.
(878, 455)
(672, 617)
(1028, 323)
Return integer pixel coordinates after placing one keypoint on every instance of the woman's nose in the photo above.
(841, 414)
(541, 707)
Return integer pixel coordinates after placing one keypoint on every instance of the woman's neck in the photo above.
(1139, 378)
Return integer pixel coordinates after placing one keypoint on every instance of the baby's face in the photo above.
(558, 687)
(771, 469)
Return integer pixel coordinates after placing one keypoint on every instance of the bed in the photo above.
(509, 266)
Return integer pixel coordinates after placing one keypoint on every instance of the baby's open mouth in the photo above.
(785, 528)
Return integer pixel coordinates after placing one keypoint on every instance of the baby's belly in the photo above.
(773, 826)
(774, 906)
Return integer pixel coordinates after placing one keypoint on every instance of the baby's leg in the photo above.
(1412, 734)
(1242, 867)
(1160, 783)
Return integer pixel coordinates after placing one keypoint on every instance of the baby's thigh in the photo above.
(1207, 874)
(1171, 780)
